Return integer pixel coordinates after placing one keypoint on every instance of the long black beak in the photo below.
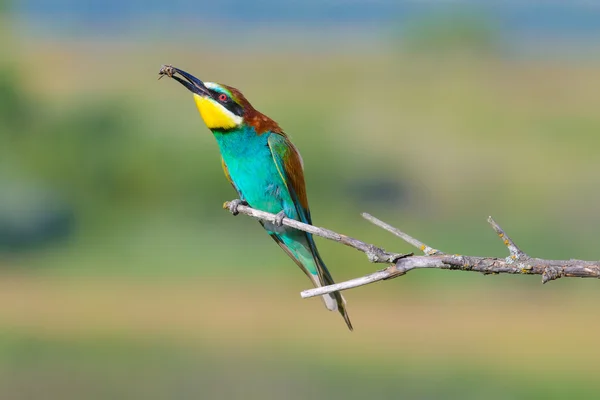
(193, 84)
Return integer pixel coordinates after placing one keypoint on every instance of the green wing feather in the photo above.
(289, 164)
(290, 167)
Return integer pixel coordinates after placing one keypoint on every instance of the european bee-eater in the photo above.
(265, 169)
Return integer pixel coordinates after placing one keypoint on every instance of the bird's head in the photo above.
(222, 107)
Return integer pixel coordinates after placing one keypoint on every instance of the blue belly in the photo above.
(253, 171)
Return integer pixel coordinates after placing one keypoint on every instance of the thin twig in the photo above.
(356, 282)
(515, 252)
(517, 263)
(429, 251)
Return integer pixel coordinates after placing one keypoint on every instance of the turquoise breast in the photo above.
(253, 171)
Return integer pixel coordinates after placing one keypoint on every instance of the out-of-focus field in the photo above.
(157, 293)
(221, 339)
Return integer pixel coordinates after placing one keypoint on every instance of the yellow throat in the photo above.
(216, 116)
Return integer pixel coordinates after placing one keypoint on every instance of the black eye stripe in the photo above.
(236, 109)
(228, 103)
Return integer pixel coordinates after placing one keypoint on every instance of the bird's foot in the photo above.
(279, 218)
(234, 204)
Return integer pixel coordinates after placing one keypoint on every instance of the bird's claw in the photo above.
(234, 204)
(279, 218)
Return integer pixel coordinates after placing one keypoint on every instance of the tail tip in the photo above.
(346, 317)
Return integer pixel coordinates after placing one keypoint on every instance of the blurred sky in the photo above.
(512, 17)
(532, 29)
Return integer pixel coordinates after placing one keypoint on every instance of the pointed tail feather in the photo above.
(333, 301)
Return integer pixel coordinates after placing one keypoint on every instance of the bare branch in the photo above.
(517, 263)
(549, 269)
(374, 253)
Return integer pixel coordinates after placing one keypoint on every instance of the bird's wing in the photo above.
(289, 165)
(290, 168)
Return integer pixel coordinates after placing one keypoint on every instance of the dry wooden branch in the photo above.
(517, 262)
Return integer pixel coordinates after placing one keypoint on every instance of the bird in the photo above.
(266, 170)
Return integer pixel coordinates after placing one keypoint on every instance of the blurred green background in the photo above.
(121, 277)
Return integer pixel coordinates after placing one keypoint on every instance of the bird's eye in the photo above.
(222, 97)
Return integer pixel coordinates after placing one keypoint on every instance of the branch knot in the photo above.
(551, 273)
